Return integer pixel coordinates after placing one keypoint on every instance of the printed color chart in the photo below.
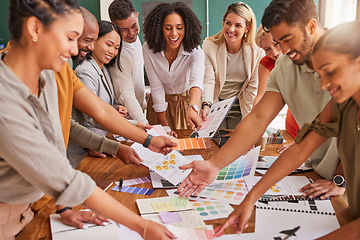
(244, 166)
(212, 210)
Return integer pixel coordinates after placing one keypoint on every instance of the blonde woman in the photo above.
(231, 64)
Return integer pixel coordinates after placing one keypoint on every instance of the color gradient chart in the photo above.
(136, 190)
(212, 195)
(244, 166)
(211, 210)
(237, 186)
(189, 143)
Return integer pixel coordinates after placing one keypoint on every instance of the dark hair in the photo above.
(104, 28)
(334, 40)
(44, 10)
(291, 12)
(153, 32)
(120, 10)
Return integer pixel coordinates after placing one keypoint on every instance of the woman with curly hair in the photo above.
(175, 64)
(231, 64)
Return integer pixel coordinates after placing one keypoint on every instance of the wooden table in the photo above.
(111, 169)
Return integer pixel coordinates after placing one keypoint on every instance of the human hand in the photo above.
(122, 110)
(154, 230)
(322, 187)
(172, 133)
(193, 119)
(143, 126)
(204, 112)
(238, 218)
(284, 147)
(128, 155)
(78, 218)
(161, 144)
(203, 173)
(94, 153)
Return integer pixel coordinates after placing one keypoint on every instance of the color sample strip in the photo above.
(238, 186)
(135, 181)
(135, 190)
(238, 169)
(190, 143)
(212, 210)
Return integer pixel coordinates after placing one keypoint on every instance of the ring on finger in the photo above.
(92, 215)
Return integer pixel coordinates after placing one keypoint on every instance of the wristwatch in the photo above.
(195, 107)
(339, 180)
(205, 104)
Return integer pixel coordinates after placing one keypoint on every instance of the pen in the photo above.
(311, 181)
(120, 184)
(196, 134)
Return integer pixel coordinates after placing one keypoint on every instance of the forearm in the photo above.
(105, 205)
(350, 231)
(195, 96)
(161, 116)
(88, 139)
(106, 115)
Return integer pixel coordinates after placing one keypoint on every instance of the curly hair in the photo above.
(153, 32)
(244, 11)
(292, 12)
(44, 10)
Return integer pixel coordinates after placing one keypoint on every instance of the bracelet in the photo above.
(147, 141)
(146, 222)
(62, 210)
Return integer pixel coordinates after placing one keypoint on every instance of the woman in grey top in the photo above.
(32, 154)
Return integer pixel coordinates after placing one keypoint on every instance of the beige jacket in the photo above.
(215, 73)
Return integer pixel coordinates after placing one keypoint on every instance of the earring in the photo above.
(35, 39)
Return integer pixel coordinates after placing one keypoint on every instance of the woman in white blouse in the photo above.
(175, 64)
(231, 64)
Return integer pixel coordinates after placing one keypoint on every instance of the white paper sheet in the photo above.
(166, 166)
(311, 225)
(289, 185)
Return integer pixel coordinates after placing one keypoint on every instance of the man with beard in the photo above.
(294, 25)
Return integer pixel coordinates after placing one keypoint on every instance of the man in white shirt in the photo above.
(128, 75)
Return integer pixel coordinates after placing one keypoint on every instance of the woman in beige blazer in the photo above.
(231, 64)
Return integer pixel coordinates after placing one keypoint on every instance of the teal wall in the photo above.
(216, 12)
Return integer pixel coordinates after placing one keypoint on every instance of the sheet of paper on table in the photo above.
(150, 208)
(311, 226)
(112, 231)
(289, 185)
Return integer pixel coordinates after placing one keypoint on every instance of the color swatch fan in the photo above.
(242, 167)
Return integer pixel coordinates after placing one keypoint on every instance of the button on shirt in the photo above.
(32, 153)
(186, 72)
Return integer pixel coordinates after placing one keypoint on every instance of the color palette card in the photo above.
(150, 208)
(289, 185)
(166, 166)
(212, 195)
(236, 186)
(136, 190)
(242, 167)
(189, 143)
(211, 210)
(134, 181)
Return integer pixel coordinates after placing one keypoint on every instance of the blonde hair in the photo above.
(260, 34)
(244, 11)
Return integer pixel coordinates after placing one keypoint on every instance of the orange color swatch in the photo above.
(190, 143)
